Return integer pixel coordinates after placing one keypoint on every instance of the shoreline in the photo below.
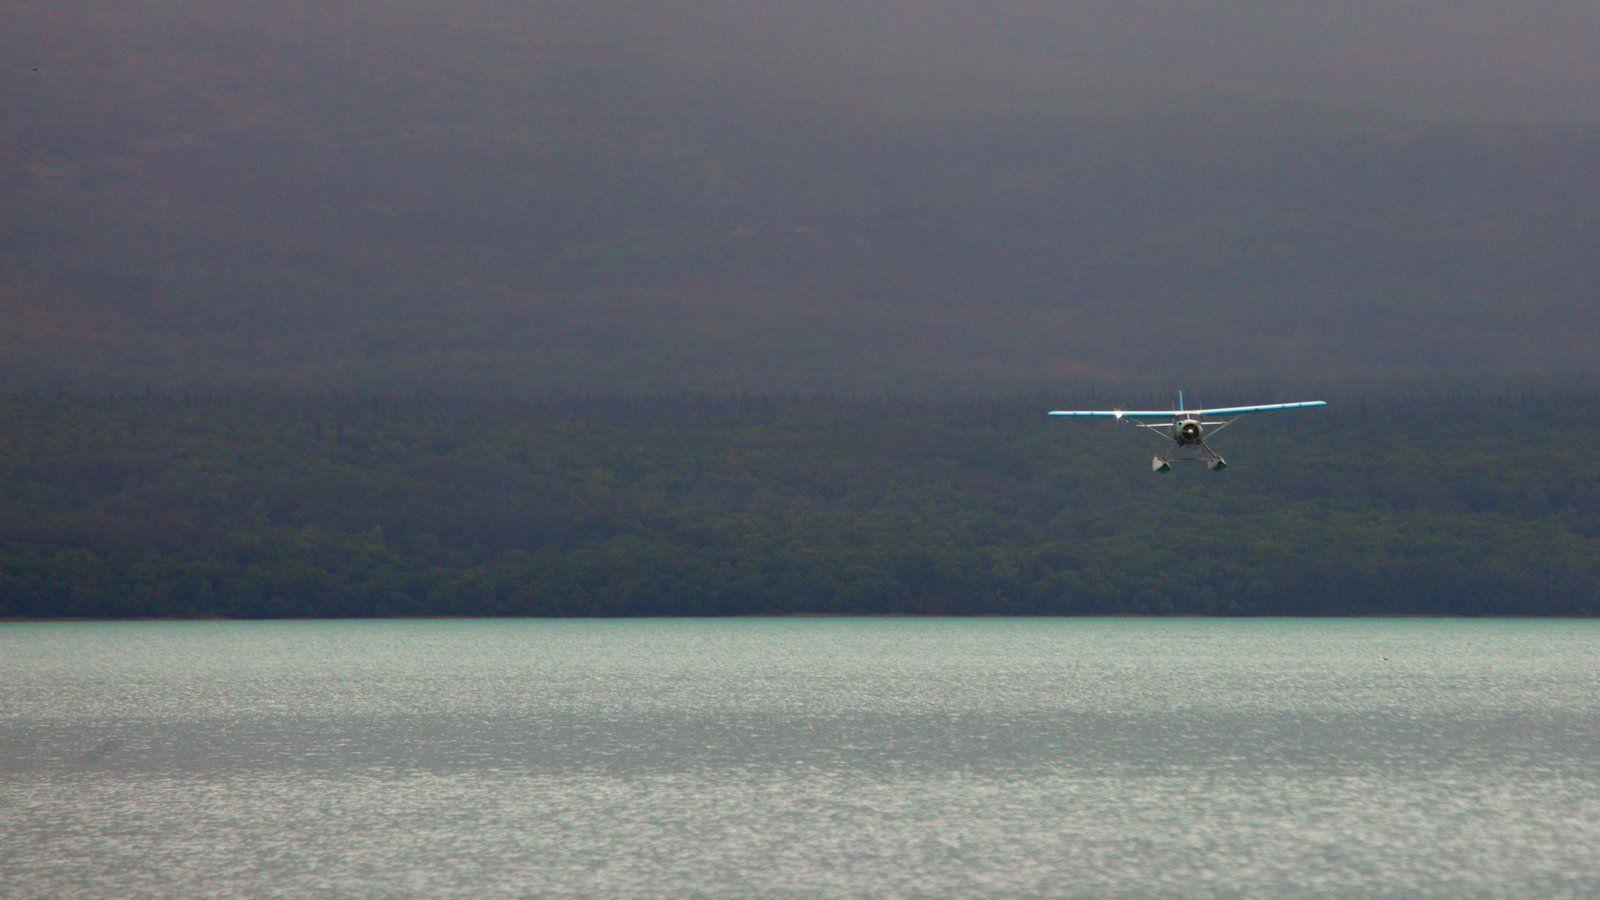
(17, 620)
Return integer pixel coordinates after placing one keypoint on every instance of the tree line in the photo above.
(302, 506)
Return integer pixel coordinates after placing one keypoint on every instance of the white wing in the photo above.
(1119, 413)
(1179, 413)
(1236, 410)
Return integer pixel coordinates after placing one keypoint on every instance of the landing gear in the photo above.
(1197, 452)
(1187, 437)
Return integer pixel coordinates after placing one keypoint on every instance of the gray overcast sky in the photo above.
(1522, 61)
(883, 195)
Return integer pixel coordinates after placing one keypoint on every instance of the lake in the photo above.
(944, 756)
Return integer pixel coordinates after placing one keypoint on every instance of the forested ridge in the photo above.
(269, 505)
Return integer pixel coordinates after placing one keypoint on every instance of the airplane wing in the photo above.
(1236, 410)
(1119, 413)
(1177, 413)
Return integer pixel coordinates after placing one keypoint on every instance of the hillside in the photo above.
(264, 506)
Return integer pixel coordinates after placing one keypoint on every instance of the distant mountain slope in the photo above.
(260, 506)
(585, 197)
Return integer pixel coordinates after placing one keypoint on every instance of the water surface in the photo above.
(1059, 756)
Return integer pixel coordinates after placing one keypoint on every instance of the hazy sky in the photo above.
(533, 196)
(1479, 60)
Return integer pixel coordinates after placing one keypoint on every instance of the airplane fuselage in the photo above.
(1188, 431)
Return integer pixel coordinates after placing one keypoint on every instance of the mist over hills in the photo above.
(533, 198)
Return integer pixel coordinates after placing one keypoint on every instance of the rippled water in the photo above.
(843, 755)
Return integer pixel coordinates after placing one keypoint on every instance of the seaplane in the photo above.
(1185, 429)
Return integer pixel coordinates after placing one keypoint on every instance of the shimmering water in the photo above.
(845, 756)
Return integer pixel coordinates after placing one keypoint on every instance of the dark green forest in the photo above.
(269, 506)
